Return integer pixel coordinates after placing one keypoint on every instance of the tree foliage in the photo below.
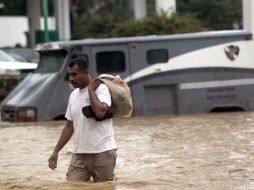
(106, 23)
(106, 18)
(192, 15)
(107, 26)
(12, 7)
(19, 7)
(214, 14)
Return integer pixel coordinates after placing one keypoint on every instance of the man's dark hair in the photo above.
(82, 64)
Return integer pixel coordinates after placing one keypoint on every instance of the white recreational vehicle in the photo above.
(170, 74)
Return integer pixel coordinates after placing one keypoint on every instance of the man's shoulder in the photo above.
(74, 94)
(75, 91)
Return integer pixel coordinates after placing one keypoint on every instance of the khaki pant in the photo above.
(100, 166)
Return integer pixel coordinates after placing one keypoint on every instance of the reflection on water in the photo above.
(208, 151)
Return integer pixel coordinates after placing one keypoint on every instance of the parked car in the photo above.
(10, 66)
(12, 72)
(23, 54)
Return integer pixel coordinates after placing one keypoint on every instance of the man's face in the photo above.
(78, 78)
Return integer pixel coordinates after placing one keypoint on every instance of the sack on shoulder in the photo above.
(120, 94)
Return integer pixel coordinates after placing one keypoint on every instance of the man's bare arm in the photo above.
(64, 138)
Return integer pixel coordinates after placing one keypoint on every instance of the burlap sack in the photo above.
(120, 94)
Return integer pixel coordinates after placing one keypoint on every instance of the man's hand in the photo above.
(100, 109)
(53, 160)
(93, 84)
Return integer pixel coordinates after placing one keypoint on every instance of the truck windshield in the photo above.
(51, 61)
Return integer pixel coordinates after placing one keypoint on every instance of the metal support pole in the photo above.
(138, 9)
(33, 13)
(248, 13)
(62, 14)
(45, 16)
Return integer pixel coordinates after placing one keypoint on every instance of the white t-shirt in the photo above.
(90, 136)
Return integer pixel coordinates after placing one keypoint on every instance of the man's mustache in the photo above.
(72, 82)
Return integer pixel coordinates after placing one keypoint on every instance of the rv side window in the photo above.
(157, 56)
(110, 62)
(51, 61)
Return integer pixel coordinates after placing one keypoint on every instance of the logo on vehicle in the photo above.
(232, 52)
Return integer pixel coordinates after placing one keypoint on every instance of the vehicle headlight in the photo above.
(26, 115)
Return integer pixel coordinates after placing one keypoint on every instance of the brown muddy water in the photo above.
(208, 151)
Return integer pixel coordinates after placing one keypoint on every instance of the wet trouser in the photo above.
(100, 166)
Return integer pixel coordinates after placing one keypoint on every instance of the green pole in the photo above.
(45, 16)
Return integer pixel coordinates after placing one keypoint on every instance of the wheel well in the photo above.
(227, 109)
(60, 117)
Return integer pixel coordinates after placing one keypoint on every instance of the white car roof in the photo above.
(14, 68)
(17, 65)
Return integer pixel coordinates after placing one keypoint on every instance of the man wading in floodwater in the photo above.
(94, 151)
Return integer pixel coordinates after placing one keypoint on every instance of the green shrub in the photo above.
(97, 26)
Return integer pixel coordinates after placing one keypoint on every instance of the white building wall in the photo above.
(51, 23)
(13, 30)
(168, 6)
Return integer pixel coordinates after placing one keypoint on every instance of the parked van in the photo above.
(169, 74)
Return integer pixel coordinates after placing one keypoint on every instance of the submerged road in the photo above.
(207, 151)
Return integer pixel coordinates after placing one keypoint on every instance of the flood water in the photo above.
(206, 151)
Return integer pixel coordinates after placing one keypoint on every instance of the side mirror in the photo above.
(66, 77)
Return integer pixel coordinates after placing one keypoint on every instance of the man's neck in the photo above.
(85, 85)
